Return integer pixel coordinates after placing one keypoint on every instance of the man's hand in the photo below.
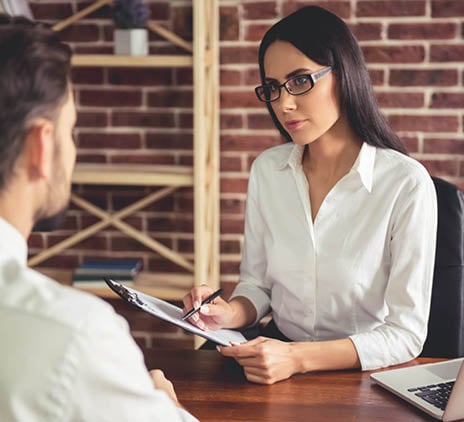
(162, 383)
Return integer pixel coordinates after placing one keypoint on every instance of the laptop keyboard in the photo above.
(435, 394)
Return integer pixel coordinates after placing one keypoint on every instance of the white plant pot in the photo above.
(131, 42)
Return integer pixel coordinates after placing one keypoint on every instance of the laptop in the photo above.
(435, 388)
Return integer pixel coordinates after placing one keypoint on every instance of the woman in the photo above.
(340, 223)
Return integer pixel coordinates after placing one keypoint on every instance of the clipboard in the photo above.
(171, 313)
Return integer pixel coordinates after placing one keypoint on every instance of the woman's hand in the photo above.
(264, 360)
(213, 316)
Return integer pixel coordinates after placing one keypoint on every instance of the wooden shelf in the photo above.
(110, 60)
(132, 174)
(168, 286)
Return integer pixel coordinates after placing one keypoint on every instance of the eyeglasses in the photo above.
(296, 85)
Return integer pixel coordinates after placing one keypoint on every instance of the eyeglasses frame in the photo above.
(314, 77)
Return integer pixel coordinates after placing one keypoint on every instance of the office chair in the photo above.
(445, 336)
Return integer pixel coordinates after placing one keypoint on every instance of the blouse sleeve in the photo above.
(253, 264)
(408, 293)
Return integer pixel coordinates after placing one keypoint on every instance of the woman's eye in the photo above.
(301, 80)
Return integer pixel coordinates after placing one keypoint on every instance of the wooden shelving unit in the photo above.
(203, 55)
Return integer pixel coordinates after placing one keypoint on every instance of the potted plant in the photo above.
(130, 36)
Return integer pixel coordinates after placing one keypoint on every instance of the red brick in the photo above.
(442, 167)
(231, 121)
(444, 146)
(87, 75)
(129, 244)
(239, 99)
(228, 163)
(80, 33)
(96, 195)
(377, 76)
(183, 77)
(93, 243)
(143, 119)
(101, 13)
(229, 77)
(400, 99)
(230, 267)
(171, 98)
(228, 24)
(341, 8)
(447, 8)
(91, 158)
(93, 49)
(422, 31)
(140, 76)
(163, 266)
(424, 123)
(367, 31)
(233, 185)
(159, 10)
(232, 206)
(181, 17)
(36, 240)
(377, 8)
(91, 119)
(447, 100)
(248, 142)
(230, 246)
(145, 158)
(185, 120)
(110, 140)
(50, 11)
(174, 140)
(251, 76)
(260, 121)
(411, 143)
(231, 225)
(261, 10)
(229, 55)
(429, 77)
(446, 53)
(394, 54)
(185, 246)
(255, 32)
(109, 98)
(185, 159)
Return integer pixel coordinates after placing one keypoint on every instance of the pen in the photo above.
(207, 300)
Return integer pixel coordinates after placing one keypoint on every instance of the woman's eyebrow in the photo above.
(291, 74)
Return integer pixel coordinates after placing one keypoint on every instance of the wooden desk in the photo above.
(214, 388)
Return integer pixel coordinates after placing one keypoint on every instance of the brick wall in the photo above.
(415, 53)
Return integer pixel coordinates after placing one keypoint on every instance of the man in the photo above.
(65, 355)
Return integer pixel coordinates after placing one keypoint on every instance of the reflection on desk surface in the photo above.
(214, 388)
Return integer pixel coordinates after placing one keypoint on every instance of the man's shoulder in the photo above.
(57, 304)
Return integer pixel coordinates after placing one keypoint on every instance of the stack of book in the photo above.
(93, 271)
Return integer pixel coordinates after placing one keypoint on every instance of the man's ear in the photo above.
(39, 149)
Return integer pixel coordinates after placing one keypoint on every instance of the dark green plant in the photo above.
(129, 14)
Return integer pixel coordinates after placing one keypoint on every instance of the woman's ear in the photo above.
(39, 149)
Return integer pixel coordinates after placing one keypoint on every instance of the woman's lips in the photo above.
(294, 124)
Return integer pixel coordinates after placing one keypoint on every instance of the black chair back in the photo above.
(445, 336)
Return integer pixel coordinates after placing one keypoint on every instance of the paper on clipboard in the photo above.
(172, 314)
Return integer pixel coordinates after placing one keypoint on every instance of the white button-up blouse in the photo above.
(363, 269)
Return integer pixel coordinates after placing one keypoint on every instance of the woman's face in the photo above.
(309, 116)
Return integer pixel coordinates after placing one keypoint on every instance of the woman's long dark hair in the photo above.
(327, 40)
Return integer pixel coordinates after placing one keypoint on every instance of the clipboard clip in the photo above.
(122, 291)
